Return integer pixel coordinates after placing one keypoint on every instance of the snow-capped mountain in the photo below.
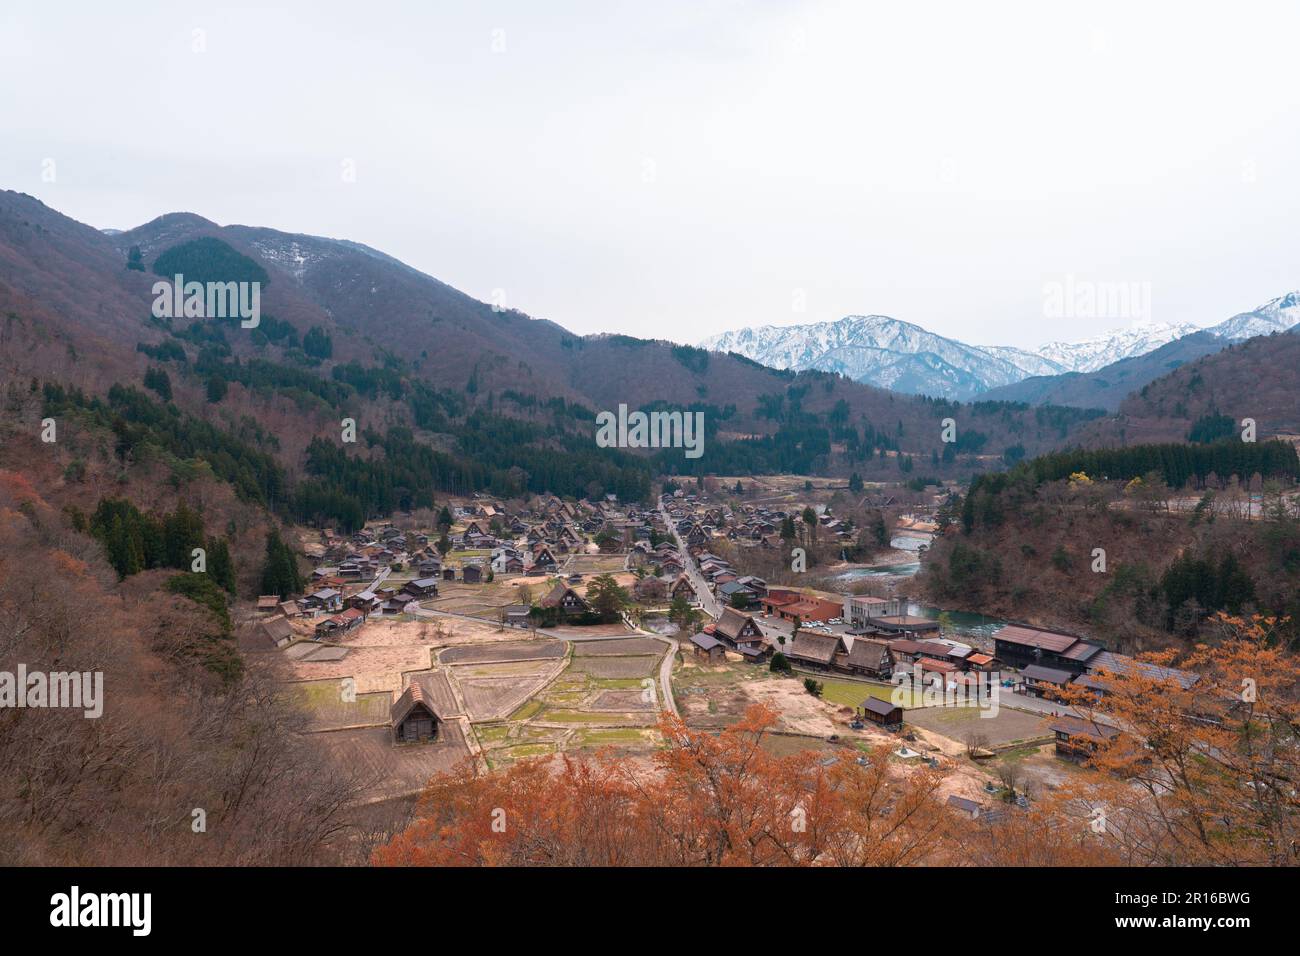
(1278, 315)
(1088, 355)
(886, 352)
(897, 355)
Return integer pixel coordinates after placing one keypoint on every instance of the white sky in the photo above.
(678, 169)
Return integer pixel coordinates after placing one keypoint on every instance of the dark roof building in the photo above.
(819, 650)
(413, 716)
(882, 711)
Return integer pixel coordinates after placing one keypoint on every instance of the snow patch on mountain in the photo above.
(886, 352)
(1278, 315)
(893, 354)
(1088, 355)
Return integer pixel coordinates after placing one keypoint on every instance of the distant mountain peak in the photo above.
(887, 352)
(891, 353)
(1090, 354)
(1276, 315)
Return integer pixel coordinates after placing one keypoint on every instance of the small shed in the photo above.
(882, 712)
(471, 573)
(413, 717)
(277, 630)
(967, 808)
(707, 646)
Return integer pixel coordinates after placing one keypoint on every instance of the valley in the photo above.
(378, 523)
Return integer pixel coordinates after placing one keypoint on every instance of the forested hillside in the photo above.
(1257, 379)
(1136, 546)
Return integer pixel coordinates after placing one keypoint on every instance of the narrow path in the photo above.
(706, 598)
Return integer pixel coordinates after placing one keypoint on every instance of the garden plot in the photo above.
(624, 646)
(395, 769)
(493, 691)
(503, 651)
(327, 705)
(616, 668)
(644, 698)
(627, 696)
(595, 563)
(476, 600)
(953, 725)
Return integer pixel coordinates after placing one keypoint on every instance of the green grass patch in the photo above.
(578, 717)
(605, 737)
(529, 709)
(492, 733)
(852, 694)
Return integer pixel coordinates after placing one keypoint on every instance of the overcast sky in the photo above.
(674, 170)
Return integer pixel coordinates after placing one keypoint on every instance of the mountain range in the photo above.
(394, 348)
(904, 357)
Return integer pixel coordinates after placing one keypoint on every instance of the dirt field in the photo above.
(950, 726)
(617, 667)
(712, 697)
(503, 651)
(395, 769)
(585, 564)
(328, 708)
(632, 645)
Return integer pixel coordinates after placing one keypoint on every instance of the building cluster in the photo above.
(699, 521)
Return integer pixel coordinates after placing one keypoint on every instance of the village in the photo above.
(503, 631)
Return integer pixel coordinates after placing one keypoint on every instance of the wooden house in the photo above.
(1040, 680)
(882, 712)
(1019, 646)
(869, 656)
(815, 650)
(277, 630)
(708, 647)
(413, 717)
(738, 631)
(339, 624)
(569, 601)
(1078, 738)
(422, 587)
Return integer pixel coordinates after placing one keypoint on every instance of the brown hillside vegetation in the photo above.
(73, 314)
(1029, 556)
(173, 738)
(1258, 378)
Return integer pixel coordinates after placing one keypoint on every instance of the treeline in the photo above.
(792, 448)
(136, 420)
(346, 489)
(209, 260)
(1177, 464)
(134, 541)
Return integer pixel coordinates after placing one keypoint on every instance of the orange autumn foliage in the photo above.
(708, 800)
(1203, 775)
